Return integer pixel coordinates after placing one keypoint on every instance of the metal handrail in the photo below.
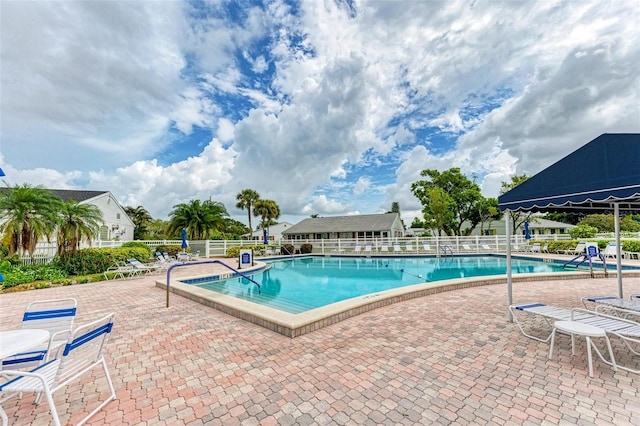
(206, 262)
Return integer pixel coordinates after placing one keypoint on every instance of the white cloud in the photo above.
(105, 95)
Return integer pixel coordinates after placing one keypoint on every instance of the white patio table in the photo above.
(15, 341)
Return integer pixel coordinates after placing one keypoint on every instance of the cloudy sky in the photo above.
(329, 107)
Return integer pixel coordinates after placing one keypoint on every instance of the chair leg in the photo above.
(109, 399)
(589, 357)
(553, 340)
(52, 408)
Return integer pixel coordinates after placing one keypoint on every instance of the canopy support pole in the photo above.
(616, 219)
(507, 219)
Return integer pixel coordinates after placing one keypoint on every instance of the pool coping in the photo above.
(295, 325)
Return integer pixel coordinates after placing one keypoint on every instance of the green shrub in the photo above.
(630, 245)
(171, 250)
(97, 260)
(16, 275)
(583, 231)
(306, 248)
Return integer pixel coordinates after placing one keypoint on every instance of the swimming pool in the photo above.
(302, 284)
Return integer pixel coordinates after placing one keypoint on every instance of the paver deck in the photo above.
(449, 358)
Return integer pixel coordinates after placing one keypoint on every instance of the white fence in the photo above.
(210, 248)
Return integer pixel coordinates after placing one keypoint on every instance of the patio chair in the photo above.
(426, 247)
(396, 248)
(610, 250)
(56, 316)
(384, 248)
(357, 248)
(580, 248)
(367, 248)
(466, 248)
(545, 248)
(143, 268)
(121, 271)
(83, 351)
(617, 302)
(486, 247)
(625, 329)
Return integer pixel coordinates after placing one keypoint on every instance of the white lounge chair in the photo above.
(83, 351)
(426, 247)
(384, 248)
(466, 247)
(610, 250)
(367, 248)
(408, 248)
(56, 316)
(396, 248)
(121, 271)
(580, 248)
(486, 247)
(627, 330)
(357, 248)
(143, 268)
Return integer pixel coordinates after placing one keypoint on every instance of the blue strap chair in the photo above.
(55, 316)
(83, 351)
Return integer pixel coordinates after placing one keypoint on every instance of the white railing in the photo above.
(211, 248)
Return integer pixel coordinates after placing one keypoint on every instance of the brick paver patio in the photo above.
(450, 358)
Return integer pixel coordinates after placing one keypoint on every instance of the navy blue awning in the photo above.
(590, 179)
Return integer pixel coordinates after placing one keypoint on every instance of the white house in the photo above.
(275, 232)
(385, 225)
(117, 224)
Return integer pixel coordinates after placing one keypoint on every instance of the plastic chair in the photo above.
(55, 316)
(83, 351)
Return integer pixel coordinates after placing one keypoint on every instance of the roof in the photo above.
(72, 194)
(538, 222)
(355, 223)
(77, 195)
(590, 180)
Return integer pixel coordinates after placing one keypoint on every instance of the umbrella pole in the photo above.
(616, 220)
(507, 219)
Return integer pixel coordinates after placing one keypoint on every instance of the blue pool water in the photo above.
(298, 285)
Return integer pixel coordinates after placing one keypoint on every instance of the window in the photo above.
(118, 216)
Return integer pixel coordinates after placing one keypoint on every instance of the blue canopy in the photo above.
(589, 180)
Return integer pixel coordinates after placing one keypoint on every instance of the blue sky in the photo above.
(326, 107)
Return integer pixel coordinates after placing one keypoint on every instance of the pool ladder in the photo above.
(178, 265)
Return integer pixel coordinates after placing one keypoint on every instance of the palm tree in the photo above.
(27, 214)
(198, 218)
(269, 211)
(140, 218)
(246, 198)
(77, 222)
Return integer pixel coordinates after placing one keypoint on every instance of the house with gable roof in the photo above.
(117, 224)
(366, 226)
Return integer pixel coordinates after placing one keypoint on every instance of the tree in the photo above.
(141, 219)
(200, 219)
(268, 210)
(234, 229)
(517, 218)
(27, 214)
(438, 213)
(462, 197)
(78, 222)
(488, 211)
(246, 198)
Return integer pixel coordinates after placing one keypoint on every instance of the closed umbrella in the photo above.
(265, 235)
(527, 235)
(185, 244)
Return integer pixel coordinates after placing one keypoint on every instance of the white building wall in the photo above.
(118, 225)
